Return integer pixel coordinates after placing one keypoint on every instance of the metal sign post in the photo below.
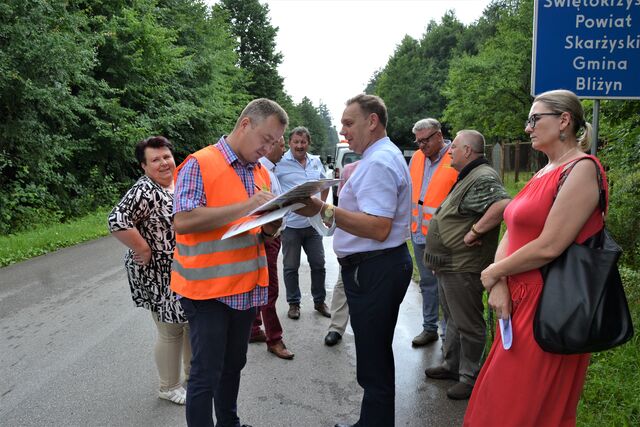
(595, 126)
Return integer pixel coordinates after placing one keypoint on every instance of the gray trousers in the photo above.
(339, 307)
(461, 300)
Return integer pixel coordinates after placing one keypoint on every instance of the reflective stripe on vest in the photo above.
(205, 266)
(438, 187)
(219, 271)
(237, 242)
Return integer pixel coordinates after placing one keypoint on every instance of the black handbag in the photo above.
(583, 308)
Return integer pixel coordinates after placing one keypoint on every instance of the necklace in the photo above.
(552, 165)
(564, 155)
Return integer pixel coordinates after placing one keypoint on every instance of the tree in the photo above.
(210, 81)
(490, 91)
(620, 132)
(45, 61)
(411, 82)
(312, 120)
(108, 74)
(256, 48)
(332, 133)
(372, 86)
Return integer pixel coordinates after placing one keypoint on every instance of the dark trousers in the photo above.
(219, 340)
(267, 313)
(375, 288)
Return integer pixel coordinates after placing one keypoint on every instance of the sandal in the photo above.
(177, 395)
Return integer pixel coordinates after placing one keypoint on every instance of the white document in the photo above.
(258, 220)
(506, 332)
(297, 193)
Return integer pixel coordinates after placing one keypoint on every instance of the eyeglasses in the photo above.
(422, 141)
(531, 121)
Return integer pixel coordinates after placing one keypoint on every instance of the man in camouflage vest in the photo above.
(462, 241)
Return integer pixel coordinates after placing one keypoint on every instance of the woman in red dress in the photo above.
(526, 386)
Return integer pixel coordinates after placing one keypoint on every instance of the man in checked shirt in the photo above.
(222, 281)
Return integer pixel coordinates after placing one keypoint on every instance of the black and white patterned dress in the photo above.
(149, 208)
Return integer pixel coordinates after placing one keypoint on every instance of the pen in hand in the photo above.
(263, 188)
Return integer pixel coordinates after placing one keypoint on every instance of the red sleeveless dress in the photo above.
(526, 386)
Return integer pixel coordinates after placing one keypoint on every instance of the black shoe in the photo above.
(332, 338)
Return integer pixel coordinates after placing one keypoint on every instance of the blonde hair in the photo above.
(565, 101)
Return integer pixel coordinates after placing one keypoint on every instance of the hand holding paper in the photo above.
(258, 220)
(297, 193)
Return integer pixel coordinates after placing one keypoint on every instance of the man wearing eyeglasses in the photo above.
(431, 177)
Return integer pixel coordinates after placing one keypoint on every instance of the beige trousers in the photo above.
(339, 307)
(172, 350)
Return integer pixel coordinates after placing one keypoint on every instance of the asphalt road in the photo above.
(75, 352)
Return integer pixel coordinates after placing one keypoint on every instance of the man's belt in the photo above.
(358, 257)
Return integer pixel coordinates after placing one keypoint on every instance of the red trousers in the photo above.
(267, 313)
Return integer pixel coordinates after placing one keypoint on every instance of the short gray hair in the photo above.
(261, 109)
(473, 139)
(426, 124)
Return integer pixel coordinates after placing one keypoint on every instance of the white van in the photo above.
(344, 156)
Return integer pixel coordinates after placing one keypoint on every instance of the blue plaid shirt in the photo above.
(189, 194)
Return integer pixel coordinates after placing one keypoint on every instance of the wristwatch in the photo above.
(329, 212)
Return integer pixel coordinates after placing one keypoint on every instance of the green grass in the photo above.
(512, 186)
(45, 239)
(611, 395)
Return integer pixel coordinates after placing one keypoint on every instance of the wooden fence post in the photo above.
(502, 160)
(516, 165)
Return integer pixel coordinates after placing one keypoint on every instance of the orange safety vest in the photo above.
(206, 267)
(439, 186)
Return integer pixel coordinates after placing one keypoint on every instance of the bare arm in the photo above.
(575, 203)
(491, 218)
(132, 239)
(206, 219)
(499, 295)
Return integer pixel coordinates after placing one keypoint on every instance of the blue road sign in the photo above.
(591, 47)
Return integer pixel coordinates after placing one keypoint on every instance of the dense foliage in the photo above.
(82, 81)
(478, 76)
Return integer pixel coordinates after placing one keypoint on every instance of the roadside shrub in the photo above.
(25, 207)
(624, 213)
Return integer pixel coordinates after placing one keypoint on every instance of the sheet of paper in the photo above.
(258, 220)
(298, 192)
(506, 332)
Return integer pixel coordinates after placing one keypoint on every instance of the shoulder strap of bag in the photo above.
(601, 193)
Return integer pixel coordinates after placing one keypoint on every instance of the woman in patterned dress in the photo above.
(526, 386)
(142, 221)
